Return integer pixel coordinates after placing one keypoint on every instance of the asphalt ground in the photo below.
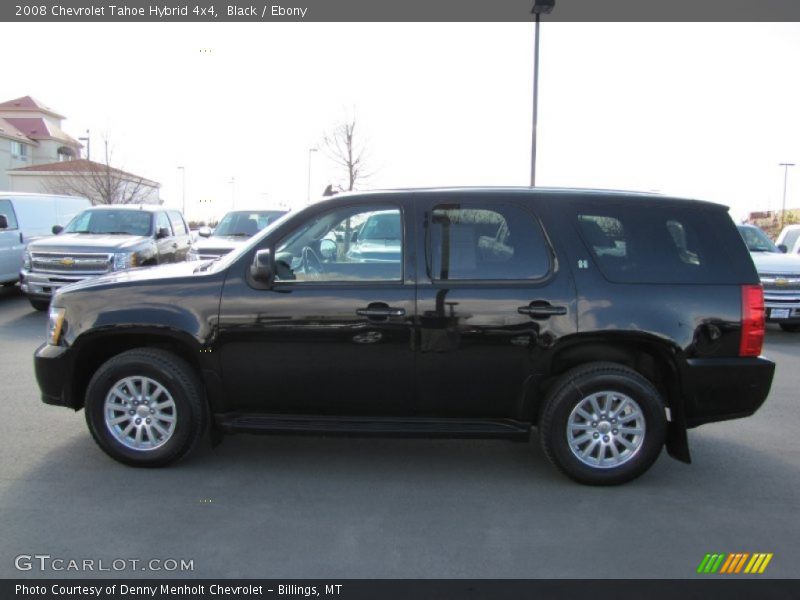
(314, 507)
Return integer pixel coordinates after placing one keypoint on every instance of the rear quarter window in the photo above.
(664, 244)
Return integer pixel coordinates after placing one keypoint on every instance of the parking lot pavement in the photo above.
(306, 507)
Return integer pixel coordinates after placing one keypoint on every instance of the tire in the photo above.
(148, 380)
(39, 304)
(790, 327)
(8, 284)
(569, 400)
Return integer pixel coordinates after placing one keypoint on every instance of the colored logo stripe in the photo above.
(727, 564)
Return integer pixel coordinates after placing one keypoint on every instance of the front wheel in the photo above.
(603, 424)
(144, 408)
(790, 327)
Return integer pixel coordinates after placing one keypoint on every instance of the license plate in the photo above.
(779, 313)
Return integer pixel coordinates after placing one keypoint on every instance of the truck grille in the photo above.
(780, 282)
(70, 263)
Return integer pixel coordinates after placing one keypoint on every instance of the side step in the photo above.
(373, 426)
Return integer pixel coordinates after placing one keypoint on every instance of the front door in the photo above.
(11, 246)
(491, 303)
(333, 334)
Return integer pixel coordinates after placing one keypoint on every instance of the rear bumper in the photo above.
(52, 365)
(719, 389)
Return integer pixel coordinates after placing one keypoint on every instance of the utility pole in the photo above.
(785, 179)
(540, 7)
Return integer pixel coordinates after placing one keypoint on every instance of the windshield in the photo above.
(109, 221)
(246, 223)
(757, 240)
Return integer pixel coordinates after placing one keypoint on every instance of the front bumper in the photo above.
(782, 307)
(52, 365)
(44, 285)
(719, 389)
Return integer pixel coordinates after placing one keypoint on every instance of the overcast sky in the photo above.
(702, 110)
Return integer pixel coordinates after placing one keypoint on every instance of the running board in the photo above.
(373, 426)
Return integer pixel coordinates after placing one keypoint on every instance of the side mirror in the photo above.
(263, 270)
(57, 229)
(204, 232)
(783, 248)
(327, 249)
(162, 233)
(3, 222)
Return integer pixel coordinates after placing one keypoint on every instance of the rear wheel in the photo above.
(144, 408)
(602, 424)
(790, 327)
(39, 304)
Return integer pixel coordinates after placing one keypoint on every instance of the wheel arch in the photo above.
(91, 351)
(654, 358)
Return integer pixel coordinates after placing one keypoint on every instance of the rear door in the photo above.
(492, 301)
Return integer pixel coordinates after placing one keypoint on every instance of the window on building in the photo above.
(19, 150)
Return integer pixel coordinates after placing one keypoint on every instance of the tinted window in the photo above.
(349, 244)
(178, 225)
(245, 223)
(756, 239)
(638, 244)
(503, 242)
(8, 210)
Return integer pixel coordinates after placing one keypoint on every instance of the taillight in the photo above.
(753, 323)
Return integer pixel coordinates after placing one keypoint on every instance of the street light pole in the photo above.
(233, 193)
(88, 140)
(540, 7)
(183, 190)
(308, 194)
(785, 179)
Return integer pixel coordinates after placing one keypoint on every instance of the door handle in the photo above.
(542, 310)
(380, 311)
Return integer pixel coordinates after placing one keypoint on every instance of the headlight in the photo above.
(26, 261)
(55, 325)
(124, 260)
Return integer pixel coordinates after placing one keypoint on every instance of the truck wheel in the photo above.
(790, 327)
(602, 424)
(39, 304)
(145, 408)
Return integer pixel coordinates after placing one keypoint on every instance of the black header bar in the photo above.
(395, 10)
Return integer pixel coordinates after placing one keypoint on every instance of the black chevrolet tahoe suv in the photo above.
(611, 322)
(100, 240)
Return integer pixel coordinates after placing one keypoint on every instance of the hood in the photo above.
(141, 274)
(221, 242)
(86, 242)
(774, 262)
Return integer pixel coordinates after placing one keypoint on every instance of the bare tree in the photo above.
(100, 182)
(347, 150)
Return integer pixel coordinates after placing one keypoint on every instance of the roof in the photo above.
(28, 103)
(538, 191)
(37, 128)
(142, 207)
(8, 130)
(79, 165)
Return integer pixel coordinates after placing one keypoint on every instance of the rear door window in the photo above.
(491, 242)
